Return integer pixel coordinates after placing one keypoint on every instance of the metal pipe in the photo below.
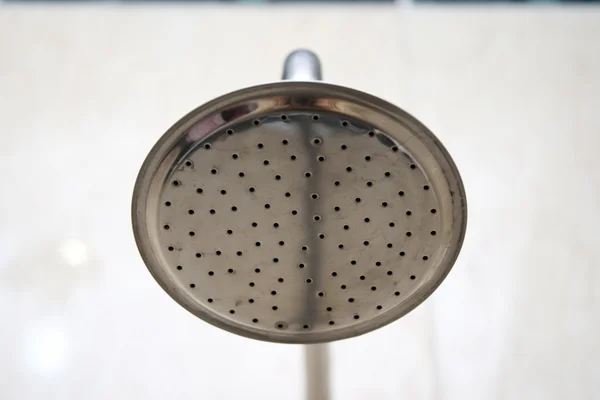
(304, 65)
(317, 371)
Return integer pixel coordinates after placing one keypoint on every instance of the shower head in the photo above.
(299, 211)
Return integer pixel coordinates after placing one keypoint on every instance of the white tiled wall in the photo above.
(513, 93)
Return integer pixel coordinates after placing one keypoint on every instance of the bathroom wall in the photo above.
(85, 91)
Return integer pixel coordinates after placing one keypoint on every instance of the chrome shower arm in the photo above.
(302, 65)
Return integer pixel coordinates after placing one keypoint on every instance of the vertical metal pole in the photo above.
(304, 65)
(317, 371)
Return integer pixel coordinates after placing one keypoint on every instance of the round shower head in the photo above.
(299, 212)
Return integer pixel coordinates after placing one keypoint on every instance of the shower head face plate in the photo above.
(299, 212)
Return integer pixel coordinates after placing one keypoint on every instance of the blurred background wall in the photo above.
(86, 90)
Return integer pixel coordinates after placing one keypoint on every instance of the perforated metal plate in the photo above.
(299, 212)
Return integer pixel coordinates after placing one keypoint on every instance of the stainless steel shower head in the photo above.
(299, 211)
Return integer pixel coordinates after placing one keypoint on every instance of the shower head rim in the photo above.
(288, 88)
